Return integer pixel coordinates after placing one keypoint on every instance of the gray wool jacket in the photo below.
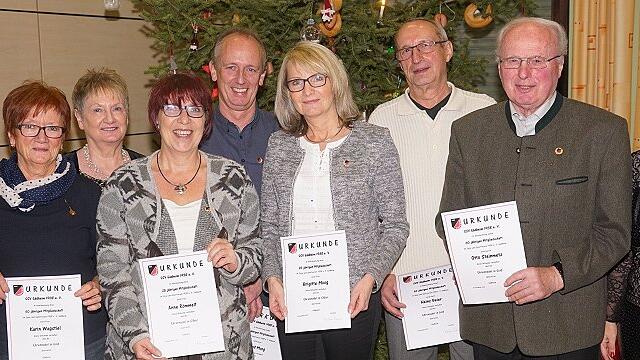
(133, 224)
(367, 195)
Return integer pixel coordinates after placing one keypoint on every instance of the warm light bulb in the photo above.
(382, 3)
(111, 5)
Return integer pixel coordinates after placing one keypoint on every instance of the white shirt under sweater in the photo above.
(312, 203)
(184, 219)
(526, 125)
(423, 145)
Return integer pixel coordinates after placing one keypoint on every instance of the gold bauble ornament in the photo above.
(475, 18)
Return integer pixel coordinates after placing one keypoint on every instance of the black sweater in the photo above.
(48, 240)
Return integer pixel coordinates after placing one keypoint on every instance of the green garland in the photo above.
(364, 44)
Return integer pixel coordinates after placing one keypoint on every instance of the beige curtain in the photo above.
(604, 68)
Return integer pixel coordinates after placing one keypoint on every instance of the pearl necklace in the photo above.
(93, 167)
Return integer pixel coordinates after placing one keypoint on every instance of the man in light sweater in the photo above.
(420, 123)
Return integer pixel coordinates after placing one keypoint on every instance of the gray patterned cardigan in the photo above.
(132, 224)
(367, 195)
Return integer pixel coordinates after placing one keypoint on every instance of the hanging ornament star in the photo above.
(327, 14)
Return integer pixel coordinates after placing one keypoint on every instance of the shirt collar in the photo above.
(223, 123)
(407, 107)
(538, 114)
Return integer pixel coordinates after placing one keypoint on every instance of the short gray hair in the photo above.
(442, 34)
(555, 28)
(215, 54)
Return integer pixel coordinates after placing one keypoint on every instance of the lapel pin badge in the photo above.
(559, 151)
(347, 163)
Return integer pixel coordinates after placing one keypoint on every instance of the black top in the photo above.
(246, 147)
(432, 112)
(48, 240)
(73, 158)
(623, 283)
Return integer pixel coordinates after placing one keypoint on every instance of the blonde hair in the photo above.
(314, 57)
(102, 80)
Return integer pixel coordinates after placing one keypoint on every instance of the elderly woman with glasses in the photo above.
(175, 201)
(48, 212)
(328, 171)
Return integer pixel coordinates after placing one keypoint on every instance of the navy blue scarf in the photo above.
(18, 192)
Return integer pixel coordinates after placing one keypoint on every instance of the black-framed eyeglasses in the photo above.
(33, 130)
(172, 110)
(424, 47)
(315, 80)
(534, 62)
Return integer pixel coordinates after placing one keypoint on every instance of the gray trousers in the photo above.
(398, 348)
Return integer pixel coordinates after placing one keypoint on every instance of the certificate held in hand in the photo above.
(264, 337)
(44, 318)
(182, 304)
(485, 247)
(431, 315)
(315, 272)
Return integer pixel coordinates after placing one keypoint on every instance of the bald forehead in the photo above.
(227, 41)
(242, 42)
(530, 32)
(423, 27)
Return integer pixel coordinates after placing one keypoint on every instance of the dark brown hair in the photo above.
(179, 89)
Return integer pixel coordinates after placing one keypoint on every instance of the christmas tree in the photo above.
(185, 31)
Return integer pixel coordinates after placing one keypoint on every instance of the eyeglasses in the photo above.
(32, 130)
(534, 62)
(194, 111)
(315, 80)
(425, 47)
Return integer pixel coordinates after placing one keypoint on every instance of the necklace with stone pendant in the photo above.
(179, 188)
(93, 167)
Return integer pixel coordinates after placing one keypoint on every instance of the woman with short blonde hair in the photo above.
(101, 107)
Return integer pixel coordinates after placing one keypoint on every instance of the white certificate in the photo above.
(182, 304)
(431, 315)
(44, 319)
(264, 337)
(316, 281)
(485, 247)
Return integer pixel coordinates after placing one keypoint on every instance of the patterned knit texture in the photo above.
(132, 224)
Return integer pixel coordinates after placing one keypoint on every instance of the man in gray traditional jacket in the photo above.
(566, 164)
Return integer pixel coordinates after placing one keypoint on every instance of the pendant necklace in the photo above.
(326, 139)
(180, 188)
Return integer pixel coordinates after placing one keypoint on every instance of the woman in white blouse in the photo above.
(327, 171)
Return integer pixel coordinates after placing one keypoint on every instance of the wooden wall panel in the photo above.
(85, 7)
(20, 53)
(18, 5)
(60, 39)
(70, 45)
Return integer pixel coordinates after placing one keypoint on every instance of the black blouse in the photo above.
(73, 157)
(624, 279)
